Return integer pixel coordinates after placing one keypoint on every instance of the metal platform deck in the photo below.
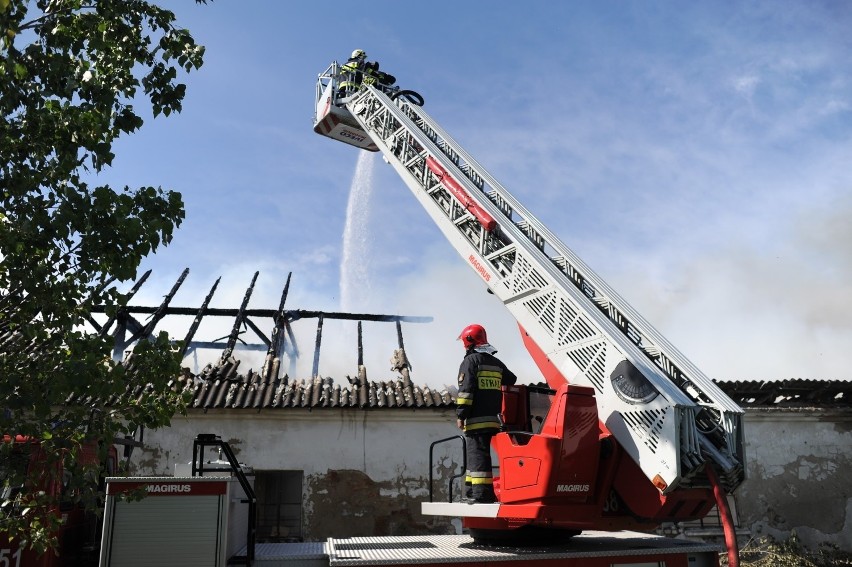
(459, 509)
(589, 548)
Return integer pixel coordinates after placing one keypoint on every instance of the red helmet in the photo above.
(473, 335)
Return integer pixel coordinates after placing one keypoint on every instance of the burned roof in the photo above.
(222, 387)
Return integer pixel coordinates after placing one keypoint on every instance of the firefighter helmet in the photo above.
(473, 336)
(359, 54)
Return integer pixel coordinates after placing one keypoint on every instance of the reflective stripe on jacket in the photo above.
(352, 73)
(480, 397)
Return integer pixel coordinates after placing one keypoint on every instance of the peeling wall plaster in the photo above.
(798, 476)
(365, 472)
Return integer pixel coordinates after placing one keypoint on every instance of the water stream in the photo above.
(355, 285)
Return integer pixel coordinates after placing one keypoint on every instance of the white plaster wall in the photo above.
(798, 475)
(798, 462)
(812, 440)
(365, 472)
(383, 444)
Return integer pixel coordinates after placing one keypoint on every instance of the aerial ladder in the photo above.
(634, 434)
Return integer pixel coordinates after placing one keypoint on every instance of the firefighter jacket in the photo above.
(480, 397)
(353, 74)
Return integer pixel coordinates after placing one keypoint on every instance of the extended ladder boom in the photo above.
(666, 414)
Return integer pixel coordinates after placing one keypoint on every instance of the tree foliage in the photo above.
(70, 74)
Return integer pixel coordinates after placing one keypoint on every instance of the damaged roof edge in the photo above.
(222, 387)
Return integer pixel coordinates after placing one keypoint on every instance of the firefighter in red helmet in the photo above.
(479, 401)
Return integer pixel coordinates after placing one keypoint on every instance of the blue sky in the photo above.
(698, 156)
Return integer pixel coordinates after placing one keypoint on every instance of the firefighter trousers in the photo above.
(479, 483)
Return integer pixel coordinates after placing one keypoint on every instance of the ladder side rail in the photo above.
(605, 296)
(529, 251)
(678, 368)
(520, 241)
(530, 230)
(557, 274)
(372, 114)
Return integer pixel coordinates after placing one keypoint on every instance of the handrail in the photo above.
(204, 440)
(455, 476)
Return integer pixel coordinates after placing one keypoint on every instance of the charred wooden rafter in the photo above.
(148, 329)
(280, 342)
(241, 314)
(198, 316)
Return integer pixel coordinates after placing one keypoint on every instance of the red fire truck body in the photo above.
(78, 534)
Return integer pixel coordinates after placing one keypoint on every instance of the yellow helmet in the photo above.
(359, 54)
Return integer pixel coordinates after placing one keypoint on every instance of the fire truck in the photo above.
(79, 530)
(628, 433)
